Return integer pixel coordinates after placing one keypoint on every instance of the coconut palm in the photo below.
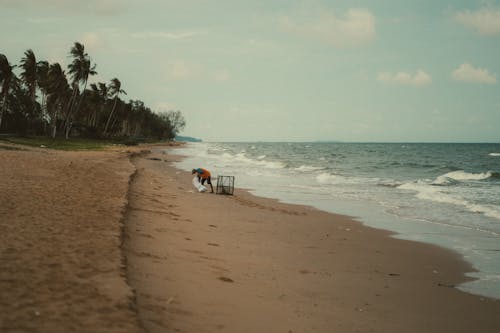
(7, 80)
(59, 94)
(29, 74)
(114, 91)
(42, 74)
(79, 69)
(100, 94)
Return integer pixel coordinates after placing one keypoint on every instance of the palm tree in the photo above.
(114, 91)
(42, 74)
(29, 74)
(58, 94)
(7, 79)
(100, 95)
(80, 70)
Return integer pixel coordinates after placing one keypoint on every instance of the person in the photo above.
(203, 176)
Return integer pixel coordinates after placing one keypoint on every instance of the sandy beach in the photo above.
(119, 241)
(61, 264)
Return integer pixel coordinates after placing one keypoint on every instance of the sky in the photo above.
(285, 70)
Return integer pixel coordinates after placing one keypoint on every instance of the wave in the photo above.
(427, 192)
(308, 168)
(433, 193)
(494, 154)
(243, 159)
(327, 178)
(460, 175)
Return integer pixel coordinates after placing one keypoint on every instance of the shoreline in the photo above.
(362, 278)
(407, 203)
(118, 241)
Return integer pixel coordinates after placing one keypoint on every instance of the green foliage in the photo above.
(44, 101)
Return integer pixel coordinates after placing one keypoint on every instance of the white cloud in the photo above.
(356, 27)
(420, 78)
(92, 41)
(166, 34)
(485, 20)
(467, 73)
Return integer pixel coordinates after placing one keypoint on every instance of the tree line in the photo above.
(47, 100)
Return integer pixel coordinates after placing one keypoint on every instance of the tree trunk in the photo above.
(54, 130)
(68, 130)
(3, 107)
(70, 108)
(1, 116)
(68, 121)
(110, 115)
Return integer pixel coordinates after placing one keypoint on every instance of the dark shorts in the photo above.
(202, 181)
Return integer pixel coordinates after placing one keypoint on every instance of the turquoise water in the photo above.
(444, 194)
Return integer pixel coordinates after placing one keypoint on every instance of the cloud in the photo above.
(467, 73)
(166, 34)
(420, 78)
(485, 20)
(355, 28)
(92, 41)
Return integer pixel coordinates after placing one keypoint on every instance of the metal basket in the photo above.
(225, 185)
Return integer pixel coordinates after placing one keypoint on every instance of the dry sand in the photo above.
(61, 264)
(75, 258)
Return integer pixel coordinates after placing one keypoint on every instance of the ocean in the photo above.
(446, 194)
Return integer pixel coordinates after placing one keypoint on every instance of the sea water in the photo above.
(444, 194)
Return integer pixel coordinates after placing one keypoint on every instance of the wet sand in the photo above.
(119, 241)
(201, 262)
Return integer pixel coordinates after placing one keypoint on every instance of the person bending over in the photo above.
(203, 176)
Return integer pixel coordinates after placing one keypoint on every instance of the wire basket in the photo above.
(225, 185)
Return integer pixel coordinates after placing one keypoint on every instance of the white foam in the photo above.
(327, 178)
(494, 154)
(308, 168)
(460, 176)
(434, 193)
(486, 210)
(243, 159)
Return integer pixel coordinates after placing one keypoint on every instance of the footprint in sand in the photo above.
(213, 244)
(226, 279)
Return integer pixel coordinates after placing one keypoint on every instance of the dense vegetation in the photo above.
(46, 100)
